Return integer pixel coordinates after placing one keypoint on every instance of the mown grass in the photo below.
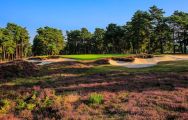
(84, 56)
(94, 56)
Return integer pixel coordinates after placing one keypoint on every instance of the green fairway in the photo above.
(94, 56)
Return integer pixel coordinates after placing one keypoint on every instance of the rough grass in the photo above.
(156, 93)
(169, 66)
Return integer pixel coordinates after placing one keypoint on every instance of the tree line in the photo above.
(147, 32)
(14, 42)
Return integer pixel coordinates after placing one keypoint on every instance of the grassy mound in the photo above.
(102, 61)
(17, 68)
(124, 59)
(132, 58)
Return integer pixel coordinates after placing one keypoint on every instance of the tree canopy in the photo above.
(48, 41)
(14, 42)
(147, 32)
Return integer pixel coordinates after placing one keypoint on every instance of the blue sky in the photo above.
(75, 14)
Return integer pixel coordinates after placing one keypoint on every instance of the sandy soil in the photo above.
(138, 63)
(141, 63)
(49, 61)
(59, 60)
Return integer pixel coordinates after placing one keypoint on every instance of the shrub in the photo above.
(47, 102)
(53, 57)
(21, 104)
(30, 106)
(26, 115)
(8, 117)
(4, 106)
(95, 98)
(18, 68)
(101, 61)
(39, 98)
(124, 59)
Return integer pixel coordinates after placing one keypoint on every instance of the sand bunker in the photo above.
(137, 63)
(49, 61)
(142, 63)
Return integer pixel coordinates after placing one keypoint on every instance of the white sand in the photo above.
(49, 61)
(142, 63)
(138, 63)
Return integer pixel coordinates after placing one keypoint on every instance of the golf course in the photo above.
(94, 90)
(93, 60)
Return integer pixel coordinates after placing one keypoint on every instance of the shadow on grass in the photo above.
(112, 82)
(113, 79)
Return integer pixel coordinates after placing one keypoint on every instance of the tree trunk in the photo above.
(174, 42)
(184, 42)
(161, 44)
(16, 51)
(181, 47)
(4, 54)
